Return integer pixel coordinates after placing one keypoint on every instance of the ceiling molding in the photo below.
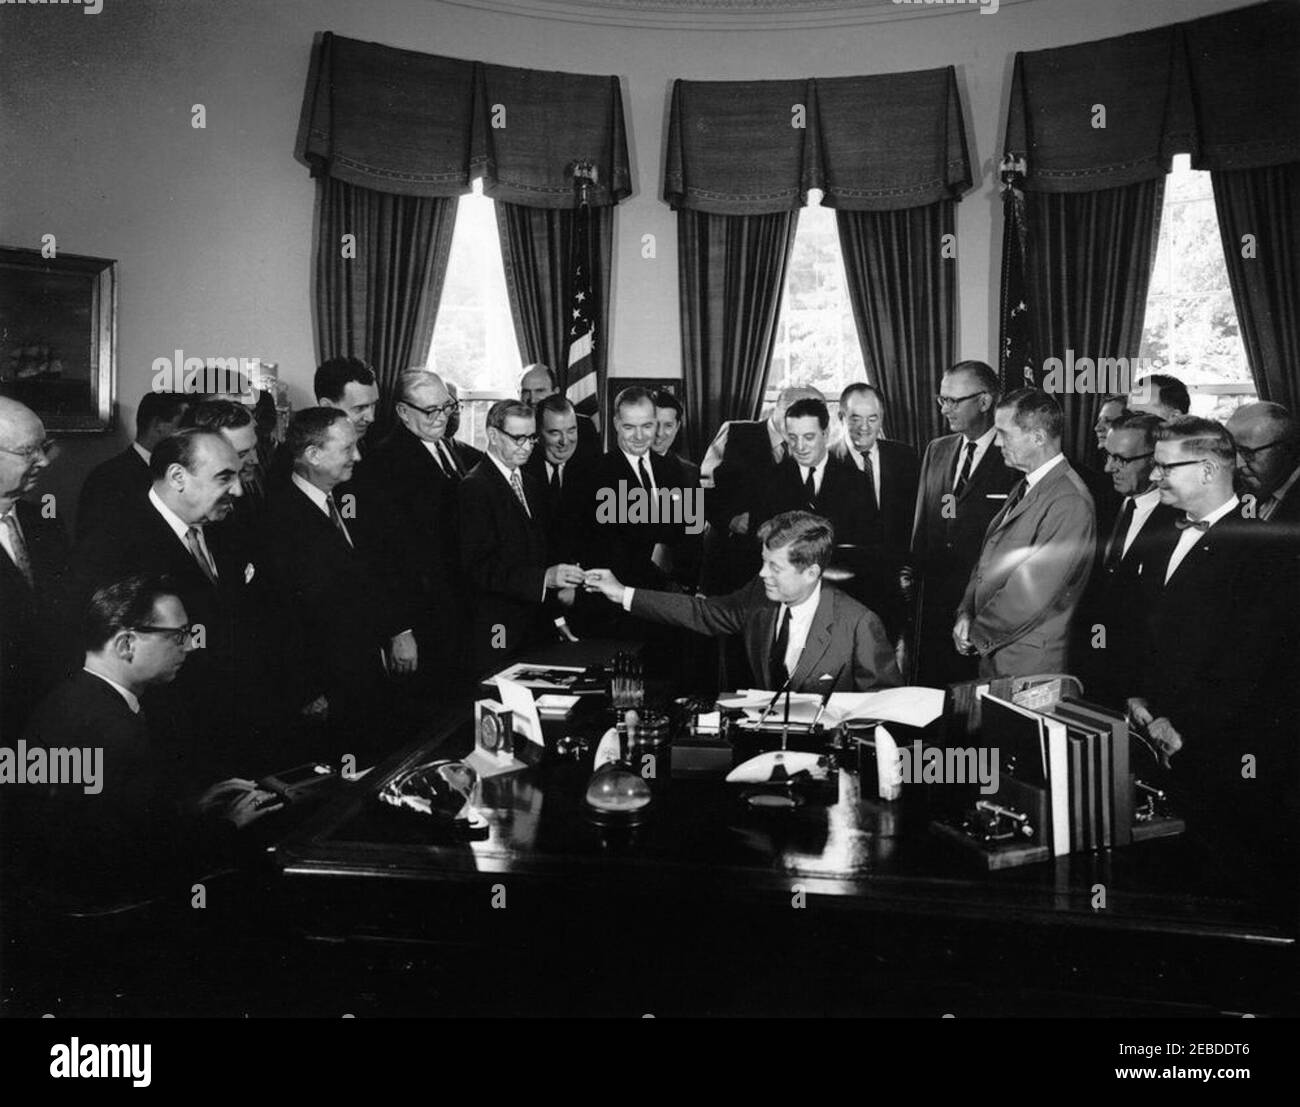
(732, 15)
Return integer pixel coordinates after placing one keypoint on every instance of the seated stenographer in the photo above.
(799, 632)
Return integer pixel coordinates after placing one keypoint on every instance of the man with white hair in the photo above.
(33, 565)
(1268, 461)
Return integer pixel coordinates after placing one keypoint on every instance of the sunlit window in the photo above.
(474, 338)
(1191, 322)
(816, 342)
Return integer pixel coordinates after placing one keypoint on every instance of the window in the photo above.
(1191, 322)
(474, 338)
(816, 340)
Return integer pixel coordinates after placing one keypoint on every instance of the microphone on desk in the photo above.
(826, 696)
(784, 690)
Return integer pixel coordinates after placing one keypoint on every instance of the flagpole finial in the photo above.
(584, 180)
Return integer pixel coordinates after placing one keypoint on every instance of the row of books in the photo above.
(1078, 752)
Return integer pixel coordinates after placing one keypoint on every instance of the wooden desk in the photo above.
(849, 894)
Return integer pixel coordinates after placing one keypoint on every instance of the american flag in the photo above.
(584, 387)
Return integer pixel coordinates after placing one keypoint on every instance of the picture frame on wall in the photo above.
(58, 337)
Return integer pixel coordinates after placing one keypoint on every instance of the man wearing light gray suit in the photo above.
(1037, 553)
(797, 631)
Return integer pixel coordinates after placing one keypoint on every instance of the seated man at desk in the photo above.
(798, 632)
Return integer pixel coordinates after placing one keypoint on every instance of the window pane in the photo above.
(816, 342)
(474, 338)
(1191, 323)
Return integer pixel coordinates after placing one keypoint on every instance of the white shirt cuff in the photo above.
(627, 599)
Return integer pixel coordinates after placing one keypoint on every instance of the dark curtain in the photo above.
(1265, 272)
(731, 270)
(381, 304)
(904, 298)
(535, 246)
(1088, 259)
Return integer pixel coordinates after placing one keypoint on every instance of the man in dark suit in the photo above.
(564, 475)
(964, 483)
(468, 456)
(503, 516)
(407, 487)
(536, 384)
(126, 475)
(891, 472)
(170, 531)
(1108, 625)
(1215, 690)
(1019, 605)
(739, 460)
(1268, 463)
(1161, 395)
(797, 631)
(670, 418)
(354, 618)
(113, 838)
(34, 646)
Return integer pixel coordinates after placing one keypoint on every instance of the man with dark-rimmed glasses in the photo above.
(1217, 668)
(964, 483)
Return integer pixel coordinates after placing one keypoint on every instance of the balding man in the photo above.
(1268, 461)
(407, 487)
(538, 382)
(170, 532)
(964, 483)
(33, 566)
(1037, 551)
(741, 458)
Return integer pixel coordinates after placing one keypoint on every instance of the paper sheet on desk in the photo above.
(518, 699)
(912, 706)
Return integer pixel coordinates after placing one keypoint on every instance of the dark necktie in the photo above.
(779, 645)
(555, 483)
(869, 471)
(1195, 524)
(643, 474)
(194, 540)
(963, 478)
(810, 488)
(449, 460)
(337, 519)
(1017, 494)
(21, 561)
(1115, 547)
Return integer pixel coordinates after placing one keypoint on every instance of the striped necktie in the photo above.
(22, 562)
(518, 486)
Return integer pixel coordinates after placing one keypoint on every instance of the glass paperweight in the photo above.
(442, 790)
(616, 795)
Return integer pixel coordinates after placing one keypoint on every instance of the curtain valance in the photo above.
(419, 124)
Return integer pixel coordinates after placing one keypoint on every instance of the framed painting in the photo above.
(58, 337)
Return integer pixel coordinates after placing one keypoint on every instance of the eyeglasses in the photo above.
(953, 401)
(518, 439)
(179, 635)
(1121, 460)
(1164, 467)
(44, 449)
(1249, 454)
(448, 409)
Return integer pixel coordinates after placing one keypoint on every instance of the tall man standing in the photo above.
(964, 483)
(504, 555)
(1037, 551)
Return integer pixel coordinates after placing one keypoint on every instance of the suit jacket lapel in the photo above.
(981, 472)
(763, 632)
(819, 637)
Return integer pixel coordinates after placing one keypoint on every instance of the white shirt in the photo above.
(439, 456)
(632, 460)
(1038, 474)
(552, 468)
(874, 454)
(147, 455)
(181, 528)
(982, 444)
(131, 701)
(819, 471)
(801, 617)
(1189, 537)
(1143, 506)
(5, 536)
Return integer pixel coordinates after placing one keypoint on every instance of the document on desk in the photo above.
(912, 706)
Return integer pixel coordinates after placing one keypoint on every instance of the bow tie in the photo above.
(1194, 524)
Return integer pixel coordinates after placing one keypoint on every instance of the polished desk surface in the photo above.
(700, 836)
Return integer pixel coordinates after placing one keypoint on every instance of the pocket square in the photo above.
(249, 570)
(996, 495)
